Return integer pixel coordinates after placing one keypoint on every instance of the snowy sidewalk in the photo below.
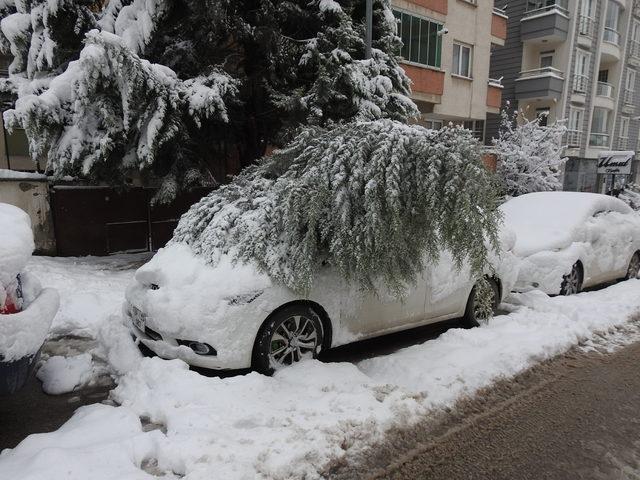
(176, 422)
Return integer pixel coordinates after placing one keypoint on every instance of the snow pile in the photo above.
(16, 243)
(63, 374)
(23, 333)
(98, 442)
(293, 424)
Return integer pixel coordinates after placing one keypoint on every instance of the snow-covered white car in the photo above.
(233, 317)
(572, 240)
(26, 310)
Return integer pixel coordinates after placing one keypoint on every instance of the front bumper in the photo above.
(168, 347)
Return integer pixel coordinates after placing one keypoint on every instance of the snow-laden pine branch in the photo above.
(375, 200)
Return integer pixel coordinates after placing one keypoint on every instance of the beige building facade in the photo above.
(451, 81)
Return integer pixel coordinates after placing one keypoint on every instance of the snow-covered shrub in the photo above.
(529, 154)
(375, 200)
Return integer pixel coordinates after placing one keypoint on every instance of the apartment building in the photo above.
(578, 60)
(446, 53)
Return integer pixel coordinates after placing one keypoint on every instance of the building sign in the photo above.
(615, 163)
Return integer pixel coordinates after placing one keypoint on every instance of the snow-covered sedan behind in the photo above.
(232, 317)
(569, 240)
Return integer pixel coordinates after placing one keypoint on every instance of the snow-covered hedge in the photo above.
(375, 200)
(529, 154)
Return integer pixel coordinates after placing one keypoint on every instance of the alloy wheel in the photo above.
(294, 338)
(634, 266)
(571, 284)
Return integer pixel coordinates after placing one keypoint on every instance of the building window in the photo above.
(462, 58)
(542, 114)
(477, 127)
(623, 133)
(17, 144)
(581, 72)
(421, 43)
(612, 19)
(574, 128)
(546, 59)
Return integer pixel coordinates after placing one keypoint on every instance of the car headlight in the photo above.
(244, 298)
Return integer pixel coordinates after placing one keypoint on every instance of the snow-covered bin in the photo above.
(26, 310)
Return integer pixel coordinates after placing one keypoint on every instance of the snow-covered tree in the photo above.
(529, 154)
(170, 88)
(375, 200)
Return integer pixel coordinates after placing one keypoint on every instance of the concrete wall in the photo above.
(33, 197)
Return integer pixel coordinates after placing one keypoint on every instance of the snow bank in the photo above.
(99, 442)
(291, 425)
(547, 220)
(23, 333)
(16, 242)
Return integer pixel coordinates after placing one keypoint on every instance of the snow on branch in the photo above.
(110, 99)
(375, 200)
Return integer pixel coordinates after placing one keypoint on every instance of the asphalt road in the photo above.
(575, 417)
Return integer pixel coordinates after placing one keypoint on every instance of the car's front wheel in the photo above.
(572, 283)
(289, 335)
(634, 267)
(474, 313)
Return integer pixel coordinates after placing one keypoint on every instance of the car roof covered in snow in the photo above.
(548, 220)
(16, 242)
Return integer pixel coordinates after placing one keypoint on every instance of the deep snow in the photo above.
(171, 419)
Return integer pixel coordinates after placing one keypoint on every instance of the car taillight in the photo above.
(9, 307)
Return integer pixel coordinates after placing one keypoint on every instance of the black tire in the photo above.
(633, 270)
(274, 349)
(471, 318)
(572, 282)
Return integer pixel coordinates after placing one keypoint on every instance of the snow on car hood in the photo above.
(16, 242)
(549, 220)
(178, 289)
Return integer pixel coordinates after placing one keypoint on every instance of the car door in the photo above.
(448, 288)
(382, 311)
(611, 240)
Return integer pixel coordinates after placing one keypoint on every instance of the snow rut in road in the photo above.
(294, 424)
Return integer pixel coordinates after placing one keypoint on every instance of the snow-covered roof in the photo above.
(16, 242)
(547, 220)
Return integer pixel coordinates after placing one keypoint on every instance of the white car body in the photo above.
(177, 298)
(554, 230)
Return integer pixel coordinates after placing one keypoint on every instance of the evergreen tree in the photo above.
(375, 200)
(171, 88)
(529, 154)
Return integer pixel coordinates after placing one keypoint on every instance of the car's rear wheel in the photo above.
(288, 336)
(474, 314)
(634, 267)
(572, 282)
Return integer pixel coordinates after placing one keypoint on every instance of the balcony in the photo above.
(580, 84)
(498, 26)
(541, 83)
(549, 23)
(604, 96)
(600, 140)
(634, 52)
(628, 105)
(574, 138)
(586, 27)
(610, 46)
(623, 143)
